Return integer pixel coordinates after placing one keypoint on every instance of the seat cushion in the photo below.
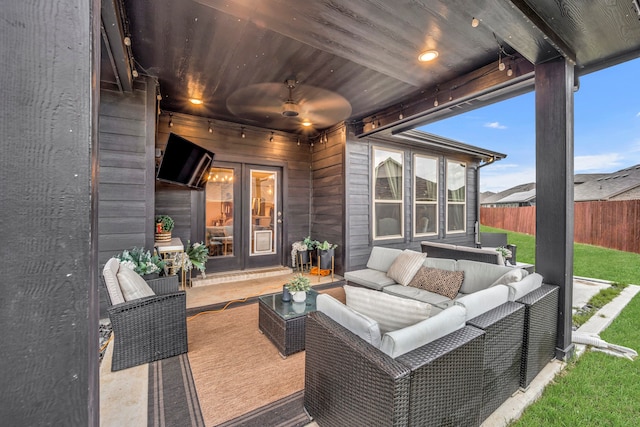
(515, 275)
(132, 284)
(389, 311)
(401, 341)
(416, 294)
(361, 325)
(406, 266)
(109, 273)
(370, 278)
(444, 282)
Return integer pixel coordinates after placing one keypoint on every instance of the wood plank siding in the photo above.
(358, 193)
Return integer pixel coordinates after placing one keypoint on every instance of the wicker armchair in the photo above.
(349, 382)
(149, 328)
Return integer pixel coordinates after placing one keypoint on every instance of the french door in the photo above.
(243, 216)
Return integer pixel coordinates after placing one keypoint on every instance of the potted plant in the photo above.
(142, 262)
(164, 225)
(506, 253)
(195, 255)
(326, 251)
(299, 250)
(298, 287)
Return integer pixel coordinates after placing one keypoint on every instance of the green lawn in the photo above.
(596, 389)
(588, 261)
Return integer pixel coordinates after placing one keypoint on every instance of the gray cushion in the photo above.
(132, 284)
(479, 275)
(416, 294)
(389, 311)
(361, 325)
(405, 266)
(482, 301)
(515, 275)
(370, 278)
(109, 273)
(441, 263)
(381, 258)
(402, 341)
(524, 286)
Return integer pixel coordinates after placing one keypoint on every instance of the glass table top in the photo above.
(289, 310)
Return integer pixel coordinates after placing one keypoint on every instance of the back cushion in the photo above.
(399, 342)
(391, 312)
(361, 325)
(406, 266)
(381, 258)
(132, 284)
(482, 301)
(109, 273)
(479, 275)
(441, 263)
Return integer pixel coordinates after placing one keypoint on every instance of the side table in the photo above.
(169, 251)
(283, 322)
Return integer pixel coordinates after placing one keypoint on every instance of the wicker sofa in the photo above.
(149, 328)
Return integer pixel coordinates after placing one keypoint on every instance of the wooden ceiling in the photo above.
(364, 51)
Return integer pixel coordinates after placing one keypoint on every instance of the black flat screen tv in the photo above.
(184, 163)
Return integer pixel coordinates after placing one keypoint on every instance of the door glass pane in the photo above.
(219, 212)
(263, 224)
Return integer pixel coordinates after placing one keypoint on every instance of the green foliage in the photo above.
(197, 254)
(166, 222)
(597, 389)
(141, 261)
(325, 245)
(298, 283)
(309, 243)
(598, 301)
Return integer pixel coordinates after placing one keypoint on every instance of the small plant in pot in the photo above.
(298, 286)
(326, 251)
(164, 226)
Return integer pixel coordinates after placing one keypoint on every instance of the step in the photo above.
(238, 275)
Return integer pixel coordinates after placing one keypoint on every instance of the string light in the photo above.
(170, 120)
(501, 65)
(509, 71)
(210, 127)
(435, 102)
(298, 141)
(271, 138)
(242, 134)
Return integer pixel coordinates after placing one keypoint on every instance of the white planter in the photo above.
(300, 296)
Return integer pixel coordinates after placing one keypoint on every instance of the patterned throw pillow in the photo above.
(405, 266)
(443, 282)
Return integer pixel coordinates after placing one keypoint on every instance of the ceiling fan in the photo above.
(289, 106)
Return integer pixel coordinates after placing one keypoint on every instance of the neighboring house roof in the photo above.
(581, 178)
(501, 195)
(520, 197)
(609, 186)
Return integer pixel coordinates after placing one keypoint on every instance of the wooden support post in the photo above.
(554, 188)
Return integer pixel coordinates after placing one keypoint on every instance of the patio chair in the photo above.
(148, 328)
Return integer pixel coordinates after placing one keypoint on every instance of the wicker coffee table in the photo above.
(283, 322)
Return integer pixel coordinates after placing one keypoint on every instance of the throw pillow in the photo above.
(391, 312)
(405, 266)
(515, 275)
(443, 282)
(132, 284)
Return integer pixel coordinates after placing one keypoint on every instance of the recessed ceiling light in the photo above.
(306, 123)
(195, 101)
(428, 55)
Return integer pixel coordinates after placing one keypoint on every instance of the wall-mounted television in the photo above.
(184, 163)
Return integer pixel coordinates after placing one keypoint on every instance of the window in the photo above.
(456, 196)
(425, 195)
(387, 193)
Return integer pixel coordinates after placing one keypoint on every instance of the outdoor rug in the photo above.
(240, 377)
(172, 395)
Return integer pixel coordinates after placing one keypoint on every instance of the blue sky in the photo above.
(607, 128)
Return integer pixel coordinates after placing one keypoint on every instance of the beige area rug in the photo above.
(235, 368)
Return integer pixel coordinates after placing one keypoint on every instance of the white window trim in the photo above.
(373, 195)
(448, 203)
(415, 201)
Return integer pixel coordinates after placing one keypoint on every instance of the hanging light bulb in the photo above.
(509, 71)
(475, 22)
(242, 134)
(135, 73)
(210, 127)
(373, 123)
(435, 102)
(170, 120)
(400, 116)
(501, 66)
(271, 138)
(298, 141)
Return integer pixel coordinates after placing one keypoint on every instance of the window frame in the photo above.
(456, 203)
(417, 203)
(375, 201)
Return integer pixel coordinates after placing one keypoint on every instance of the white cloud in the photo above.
(494, 125)
(638, 115)
(598, 162)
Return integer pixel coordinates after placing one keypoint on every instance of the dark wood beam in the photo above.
(114, 40)
(479, 85)
(554, 188)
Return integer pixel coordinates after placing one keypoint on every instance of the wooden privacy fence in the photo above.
(610, 224)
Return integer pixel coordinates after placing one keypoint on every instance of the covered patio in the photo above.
(87, 82)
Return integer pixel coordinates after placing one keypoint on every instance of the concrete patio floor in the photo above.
(123, 394)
